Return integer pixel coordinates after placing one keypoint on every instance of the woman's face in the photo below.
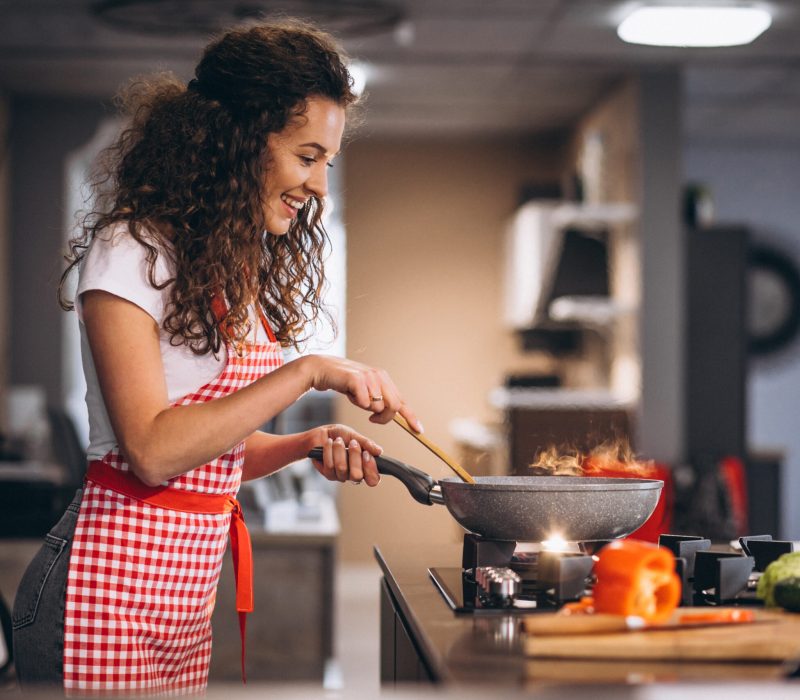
(299, 158)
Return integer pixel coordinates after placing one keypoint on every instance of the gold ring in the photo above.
(376, 398)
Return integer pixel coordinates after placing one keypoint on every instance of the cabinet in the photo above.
(401, 662)
(716, 351)
(717, 367)
(290, 632)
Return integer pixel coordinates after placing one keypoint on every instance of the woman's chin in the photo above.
(280, 230)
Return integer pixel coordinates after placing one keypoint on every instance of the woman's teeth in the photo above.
(294, 203)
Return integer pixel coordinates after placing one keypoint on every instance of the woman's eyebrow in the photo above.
(318, 147)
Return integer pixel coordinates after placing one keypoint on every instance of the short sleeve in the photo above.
(117, 263)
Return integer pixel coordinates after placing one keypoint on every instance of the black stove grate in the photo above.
(709, 576)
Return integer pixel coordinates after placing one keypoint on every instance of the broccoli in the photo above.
(787, 593)
(785, 566)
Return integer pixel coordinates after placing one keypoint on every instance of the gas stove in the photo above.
(501, 577)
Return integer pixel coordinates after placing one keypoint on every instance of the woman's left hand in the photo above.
(347, 455)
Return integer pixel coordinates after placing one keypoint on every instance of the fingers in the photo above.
(356, 473)
(326, 467)
(348, 462)
(370, 469)
(386, 401)
(378, 390)
(411, 418)
(348, 434)
(369, 388)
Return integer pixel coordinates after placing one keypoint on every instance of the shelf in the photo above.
(577, 399)
(533, 247)
(589, 311)
(593, 215)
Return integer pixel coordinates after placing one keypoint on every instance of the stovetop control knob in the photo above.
(498, 585)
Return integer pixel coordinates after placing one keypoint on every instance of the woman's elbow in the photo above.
(146, 468)
(151, 479)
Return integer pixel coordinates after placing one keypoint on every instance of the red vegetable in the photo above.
(636, 578)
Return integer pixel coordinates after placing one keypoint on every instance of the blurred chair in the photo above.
(66, 446)
(31, 503)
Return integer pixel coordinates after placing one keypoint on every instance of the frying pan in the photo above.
(533, 508)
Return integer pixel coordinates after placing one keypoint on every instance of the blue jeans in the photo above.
(38, 615)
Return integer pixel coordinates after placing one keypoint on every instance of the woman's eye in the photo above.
(308, 160)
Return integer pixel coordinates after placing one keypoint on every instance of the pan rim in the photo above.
(558, 483)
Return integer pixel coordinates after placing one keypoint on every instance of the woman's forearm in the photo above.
(346, 453)
(266, 453)
(181, 438)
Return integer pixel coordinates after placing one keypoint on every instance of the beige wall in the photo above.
(615, 120)
(425, 229)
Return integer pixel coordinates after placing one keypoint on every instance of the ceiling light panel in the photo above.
(694, 26)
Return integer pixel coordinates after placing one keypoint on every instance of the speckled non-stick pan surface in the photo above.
(533, 508)
(536, 508)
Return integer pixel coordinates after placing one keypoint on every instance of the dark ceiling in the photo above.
(435, 66)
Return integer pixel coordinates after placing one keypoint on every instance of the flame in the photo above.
(555, 543)
(612, 458)
(552, 462)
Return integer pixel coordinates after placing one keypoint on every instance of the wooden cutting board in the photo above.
(774, 637)
(596, 671)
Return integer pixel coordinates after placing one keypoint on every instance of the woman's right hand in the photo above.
(367, 387)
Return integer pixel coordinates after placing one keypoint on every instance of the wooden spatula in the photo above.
(438, 451)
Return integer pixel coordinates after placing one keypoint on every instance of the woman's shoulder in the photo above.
(120, 235)
(116, 245)
(117, 262)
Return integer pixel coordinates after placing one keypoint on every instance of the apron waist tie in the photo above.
(128, 484)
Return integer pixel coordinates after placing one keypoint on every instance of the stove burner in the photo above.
(496, 577)
(497, 586)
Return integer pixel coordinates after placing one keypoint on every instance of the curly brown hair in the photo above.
(189, 171)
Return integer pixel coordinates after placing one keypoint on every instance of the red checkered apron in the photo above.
(143, 575)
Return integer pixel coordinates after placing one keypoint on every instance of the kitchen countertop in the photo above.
(36, 471)
(468, 649)
(456, 648)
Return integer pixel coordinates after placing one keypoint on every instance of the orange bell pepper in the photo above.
(636, 578)
(584, 606)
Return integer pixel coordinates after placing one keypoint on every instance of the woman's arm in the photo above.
(266, 453)
(159, 441)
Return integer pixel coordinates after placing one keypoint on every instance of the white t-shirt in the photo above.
(116, 263)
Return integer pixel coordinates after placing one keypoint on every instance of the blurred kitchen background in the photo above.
(547, 237)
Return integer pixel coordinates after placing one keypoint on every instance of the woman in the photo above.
(201, 262)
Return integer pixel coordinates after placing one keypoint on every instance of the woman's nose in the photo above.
(318, 181)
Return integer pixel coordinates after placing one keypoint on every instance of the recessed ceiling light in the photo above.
(662, 25)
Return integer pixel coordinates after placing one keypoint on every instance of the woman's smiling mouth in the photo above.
(292, 205)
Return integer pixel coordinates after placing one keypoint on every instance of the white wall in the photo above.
(759, 185)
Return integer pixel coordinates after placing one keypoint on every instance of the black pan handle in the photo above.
(418, 483)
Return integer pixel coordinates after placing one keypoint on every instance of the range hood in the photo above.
(556, 265)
